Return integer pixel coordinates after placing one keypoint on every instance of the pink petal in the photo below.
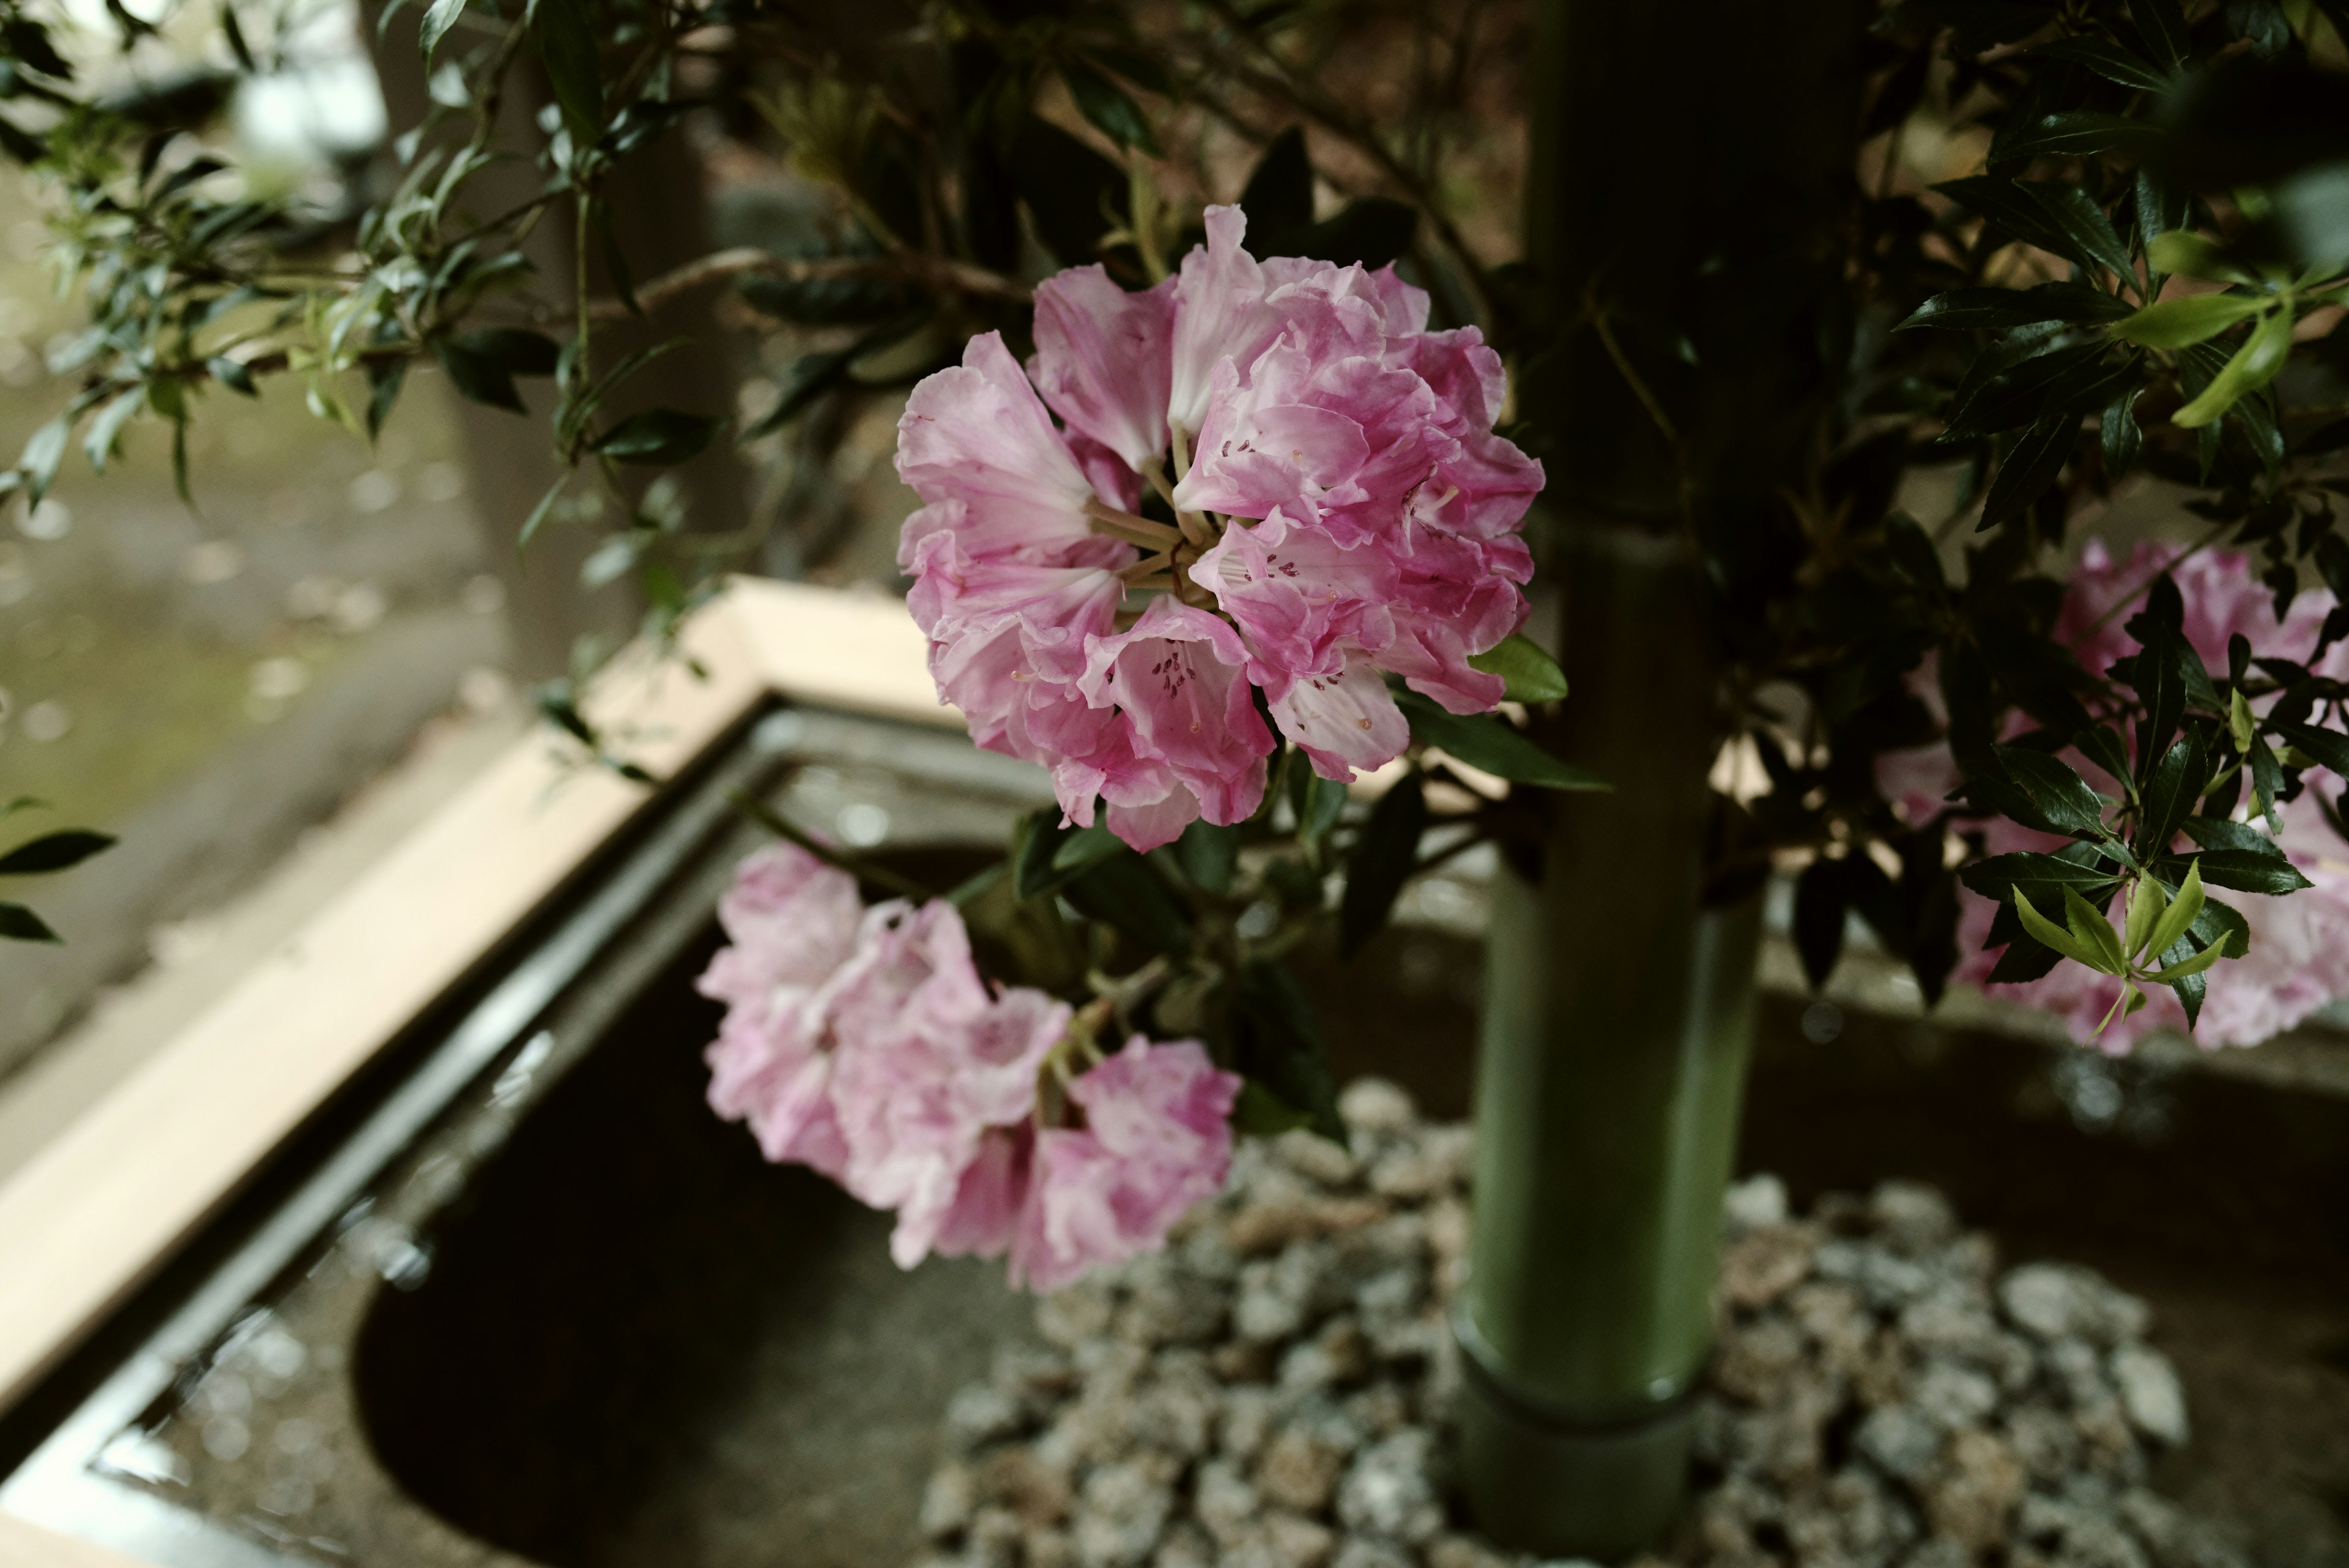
(1103, 359)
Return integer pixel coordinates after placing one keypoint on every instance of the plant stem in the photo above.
(856, 866)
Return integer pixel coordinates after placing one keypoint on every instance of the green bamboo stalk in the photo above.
(1689, 164)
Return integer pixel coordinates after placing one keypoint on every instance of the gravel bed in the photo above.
(1272, 1391)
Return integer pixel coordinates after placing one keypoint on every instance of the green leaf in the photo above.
(1382, 861)
(2329, 747)
(2055, 938)
(574, 69)
(438, 18)
(2173, 787)
(658, 436)
(2176, 323)
(1260, 1113)
(2110, 61)
(1996, 309)
(54, 851)
(1208, 855)
(233, 375)
(1483, 741)
(482, 365)
(1277, 1043)
(2062, 797)
(2190, 254)
(2248, 871)
(1998, 875)
(1086, 846)
(1123, 892)
(825, 301)
(22, 803)
(19, 924)
(2162, 25)
(42, 452)
(2179, 917)
(2171, 973)
(2117, 430)
(2089, 927)
(2076, 133)
(1278, 200)
(1369, 231)
(2077, 217)
(1111, 109)
(1532, 676)
(1317, 802)
(2148, 903)
(99, 442)
(2033, 462)
(2254, 364)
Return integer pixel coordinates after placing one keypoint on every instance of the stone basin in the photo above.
(566, 1317)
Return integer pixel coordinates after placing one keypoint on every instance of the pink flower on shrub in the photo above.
(2299, 957)
(1157, 1138)
(862, 1042)
(1347, 514)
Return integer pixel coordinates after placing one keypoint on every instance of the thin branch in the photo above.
(856, 866)
(906, 266)
(2138, 592)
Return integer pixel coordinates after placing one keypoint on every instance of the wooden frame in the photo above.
(115, 1196)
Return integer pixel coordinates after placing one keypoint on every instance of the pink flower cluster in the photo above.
(1345, 513)
(2299, 958)
(862, 1043)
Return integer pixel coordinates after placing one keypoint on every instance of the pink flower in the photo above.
(862, 1042)
(1198, 745)
(2299, 957)
(794, 922)
(1350, 515)
(1156, 1139)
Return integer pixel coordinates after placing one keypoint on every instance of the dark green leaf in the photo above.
(2062, 795)
(2162, 25)
(1822, 897)
(1207, 854)
(2329, 747)
(2247, 872)
(2042, 877)
(1382, 861)
(2031, 464)
(825, 301)
(658, 436)
(1277, 1043)
(1317, 802)
(2218, 833)
(1487, 742)
(2110, 61)
(1278, 200)
(2177, 782)
(1086, 846)
(1532, 676)
(54, 851)
(1125, 893)
(1072, 192)
(482, 365)
(1996, 309)
(19, 924)
(1371, 230)
(1113, 112)
(385, 377)
(2120, 434)
(2076, 133)
(566, 43)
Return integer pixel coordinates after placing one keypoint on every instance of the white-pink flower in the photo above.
(1347, 513)
(864, 1043)
(2299, 957)
(1156, 1139)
